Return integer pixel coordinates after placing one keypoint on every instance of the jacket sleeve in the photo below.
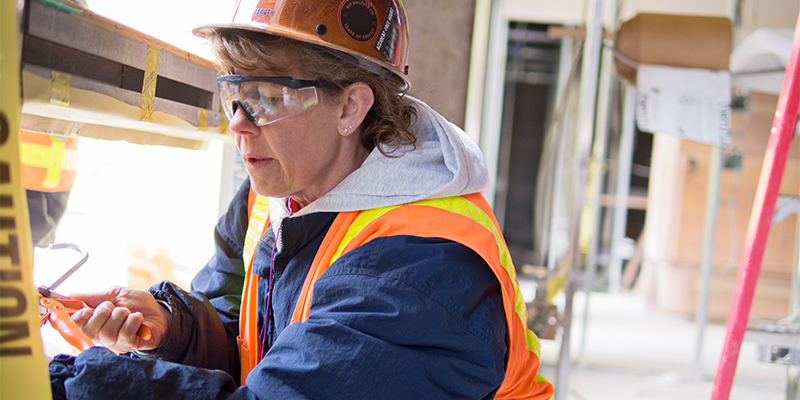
(397, 318)
(207, 317)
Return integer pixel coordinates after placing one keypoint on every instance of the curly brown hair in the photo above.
(389, 120)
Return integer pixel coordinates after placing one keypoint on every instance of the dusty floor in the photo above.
(636, 353)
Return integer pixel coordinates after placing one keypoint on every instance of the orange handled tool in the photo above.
(57, 309)
(58, 314)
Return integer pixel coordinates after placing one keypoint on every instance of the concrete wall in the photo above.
(440, 41)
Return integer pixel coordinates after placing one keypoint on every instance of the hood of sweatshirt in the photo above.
(444, 162)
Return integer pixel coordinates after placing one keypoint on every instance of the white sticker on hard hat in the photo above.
(387, 41)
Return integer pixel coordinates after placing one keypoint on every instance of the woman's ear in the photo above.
(357, 100)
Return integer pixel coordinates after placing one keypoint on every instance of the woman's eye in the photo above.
(270, 100)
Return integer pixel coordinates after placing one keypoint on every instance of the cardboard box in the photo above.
(675, 40)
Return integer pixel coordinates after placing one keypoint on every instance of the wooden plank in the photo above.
(144, 38)
(558, 32)
(634, 202)
(95, 34)
(88, 15)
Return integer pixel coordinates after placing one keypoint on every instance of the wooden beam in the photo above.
(634, 202)
(555, 31)
(88, 15)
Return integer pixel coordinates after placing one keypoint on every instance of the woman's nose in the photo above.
(241, 125)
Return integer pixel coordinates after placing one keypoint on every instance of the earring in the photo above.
(348, 129)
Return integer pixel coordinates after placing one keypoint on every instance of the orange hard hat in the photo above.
(370, 33)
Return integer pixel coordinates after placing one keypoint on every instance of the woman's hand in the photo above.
(118, 313)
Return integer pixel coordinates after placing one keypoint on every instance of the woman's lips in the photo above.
(256, 161)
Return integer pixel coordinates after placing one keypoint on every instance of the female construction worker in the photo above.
(359, 261)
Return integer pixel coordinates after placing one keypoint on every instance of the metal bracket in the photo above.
(778, 342)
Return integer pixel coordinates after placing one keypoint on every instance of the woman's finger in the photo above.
(127, 340)
(98, 319)
(109, 333)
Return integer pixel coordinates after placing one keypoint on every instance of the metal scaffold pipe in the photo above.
(590, 71)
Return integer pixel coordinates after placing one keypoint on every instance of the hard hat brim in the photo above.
(205, 31)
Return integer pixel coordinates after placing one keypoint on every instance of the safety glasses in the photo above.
(267, 99)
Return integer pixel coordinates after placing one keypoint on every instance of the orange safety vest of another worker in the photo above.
(463, 219)
(48, 163)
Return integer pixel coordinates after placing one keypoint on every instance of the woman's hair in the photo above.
(389, 120)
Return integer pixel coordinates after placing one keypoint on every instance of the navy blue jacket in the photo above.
(399, 317)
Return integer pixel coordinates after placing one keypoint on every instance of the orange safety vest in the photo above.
(463, 219)
(48, 163)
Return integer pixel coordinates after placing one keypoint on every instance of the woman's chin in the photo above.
(265, 189)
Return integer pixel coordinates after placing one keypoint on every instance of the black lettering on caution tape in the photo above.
(13, 303)
(3, 129)
(14, 308)
(11, 331)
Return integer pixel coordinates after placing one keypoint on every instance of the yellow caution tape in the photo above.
(202, 119)
(59, 89)
(223, 121)
(149, 85)
(23, 366)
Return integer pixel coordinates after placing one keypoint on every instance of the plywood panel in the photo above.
(750, 134)
(737, 194)
(676, 219)
(677, 292)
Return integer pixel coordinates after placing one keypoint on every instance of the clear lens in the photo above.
(265, 102)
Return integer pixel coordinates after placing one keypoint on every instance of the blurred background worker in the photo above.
(49, 164)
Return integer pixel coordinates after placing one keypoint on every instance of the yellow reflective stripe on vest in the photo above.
(258, 218)
(362, 220)
(461, 206)
(54, 158)
(247, 341)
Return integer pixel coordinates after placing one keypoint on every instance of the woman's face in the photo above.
(303, 156)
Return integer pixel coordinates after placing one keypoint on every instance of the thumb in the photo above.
(80, 317)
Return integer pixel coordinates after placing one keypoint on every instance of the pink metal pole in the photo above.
(781, 135)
